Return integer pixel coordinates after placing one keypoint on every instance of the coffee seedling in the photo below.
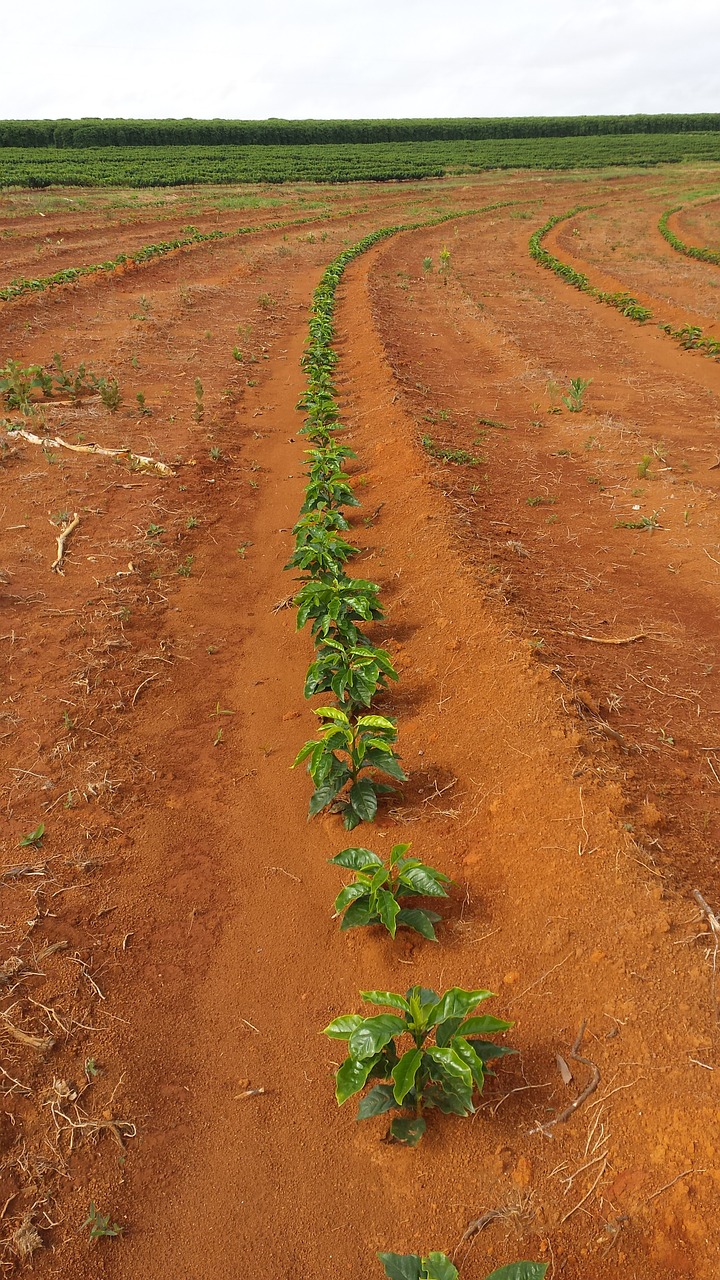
(437, 1266)
(346, 749)
(325, 552)
(335, 605)
(33, 838)
(353, 672)
(442, 1072)
(573, 398)
(373, 897)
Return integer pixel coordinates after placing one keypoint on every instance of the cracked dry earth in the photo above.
(168, 954)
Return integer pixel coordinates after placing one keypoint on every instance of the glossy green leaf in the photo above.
(437, 1266)
(343, 1027)
(386, 997)
(388, 909)
(405, 1072)
(357, 915)
(351, 1077)
(356, 859)
(456, 1003)
(483, 1026)
(369, 1038)
(398, 851)
(414, 918)
(467, 1054)
(401, 1266)
(364, 800)
(349, 894)
(424, 880)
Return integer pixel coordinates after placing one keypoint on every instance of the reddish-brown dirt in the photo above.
(168, 945)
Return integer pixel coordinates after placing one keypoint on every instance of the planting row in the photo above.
(425, 1050)
(163, 166)
(689, 336)
(148, 252)
(690, 250)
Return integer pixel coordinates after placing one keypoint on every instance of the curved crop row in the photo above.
(690, 337)
(147, 253)
(622, 301)
(690, 250)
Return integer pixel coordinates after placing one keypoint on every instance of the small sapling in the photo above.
(443, 1066)
(373, 897)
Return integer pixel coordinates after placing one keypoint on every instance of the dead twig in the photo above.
(135, 459)
(589, 1088)
(641, 635)
(67, 529)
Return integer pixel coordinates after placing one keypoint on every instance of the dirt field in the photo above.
(168, 954)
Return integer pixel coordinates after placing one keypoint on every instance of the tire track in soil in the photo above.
(277, 1177)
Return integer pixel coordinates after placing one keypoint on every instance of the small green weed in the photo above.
(34, 838)
(575, 394)
(100, 1225)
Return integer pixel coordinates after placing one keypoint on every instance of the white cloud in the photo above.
(340, 58)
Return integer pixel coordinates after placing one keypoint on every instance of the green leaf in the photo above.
(437, 1266)
(369, 1038)
(451, 1065)
(467, 1054)
(349, 894)
(376, 722)
(408, 1131)
(386, 997)
(388, 909)
(456, 1003)
(424, 880)
(413, 918)
(351, 1077)
(356, 859)
(364, 800)
(303, 753)
(324, 795)
(357, 915)
(381, 877)
(33, 837)
(398, 851)
(343, 1027)
(401, 1266)
(487, 1051)
(405, 1072)
(520, 1271)
(332, 713)
(483, 1026)
(375, 1103)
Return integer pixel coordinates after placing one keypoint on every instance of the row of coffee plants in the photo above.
(169, 166)
(147, 253)
(689, 336)
(690, 250)
(623, 302)
(431, 1050)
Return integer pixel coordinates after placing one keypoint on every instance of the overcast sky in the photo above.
(357, 58)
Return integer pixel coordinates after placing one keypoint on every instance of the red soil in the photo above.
(568, 787)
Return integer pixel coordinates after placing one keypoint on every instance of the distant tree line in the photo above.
(144, 133)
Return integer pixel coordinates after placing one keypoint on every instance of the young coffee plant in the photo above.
(324, 553)
(441, 1069)
(575, 394)
(373, 898)
(338, 762)
(437, 1266)
(353, 672)
(333, 607)
(110, 394)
